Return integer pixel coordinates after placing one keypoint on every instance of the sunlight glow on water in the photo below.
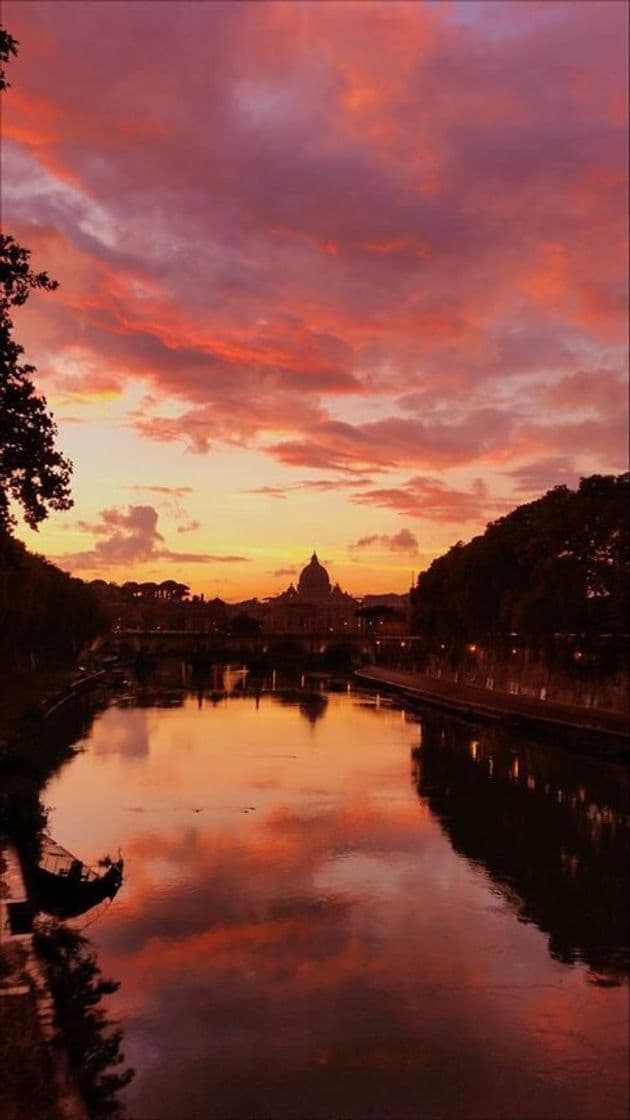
(321, 920)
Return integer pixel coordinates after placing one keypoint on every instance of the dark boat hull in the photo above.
(63, 897)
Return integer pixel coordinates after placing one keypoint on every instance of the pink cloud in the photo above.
(320, 485)
(539, 476)
(130, 536)
(597, 390)
(306, 209)
(479, 434)
(404, 541)
(432, 500)
(169, 491)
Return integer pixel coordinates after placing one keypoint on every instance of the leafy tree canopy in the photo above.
(33, 473)
(558, 565)
(45, 615)
(8, 46)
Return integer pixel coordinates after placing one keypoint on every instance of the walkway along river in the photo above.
(335, 908)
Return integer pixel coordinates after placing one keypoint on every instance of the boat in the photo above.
(65, 887)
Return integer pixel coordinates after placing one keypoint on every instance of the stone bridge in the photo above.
(183, 643)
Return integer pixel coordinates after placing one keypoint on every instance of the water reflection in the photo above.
(149, 696)
(312, 705)
(555, 849)
(301, 936)
(91, 1042)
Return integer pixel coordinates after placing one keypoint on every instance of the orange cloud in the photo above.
(311, 219)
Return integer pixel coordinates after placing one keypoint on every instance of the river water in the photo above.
(334, 909)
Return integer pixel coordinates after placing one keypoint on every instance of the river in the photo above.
(335, 909)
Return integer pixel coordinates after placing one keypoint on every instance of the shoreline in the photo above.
(599, 733)
(34, 1067)
(30, 693)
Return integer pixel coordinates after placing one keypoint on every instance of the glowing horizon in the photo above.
(332, 276)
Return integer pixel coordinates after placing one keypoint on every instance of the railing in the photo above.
(58, 861)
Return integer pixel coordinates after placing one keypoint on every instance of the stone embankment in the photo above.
(35, 1080)
(603, 732)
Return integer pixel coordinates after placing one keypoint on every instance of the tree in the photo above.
(45, 615)
(32, 471)
(555, 566)
(8, 46)
(170, 589)
(244, 626)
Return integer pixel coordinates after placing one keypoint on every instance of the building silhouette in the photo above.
(314, 606)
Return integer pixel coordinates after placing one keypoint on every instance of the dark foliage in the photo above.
(244, 626)
(554, 859)
(339, 657)
(33, 473)
(8, 46)
(45, 614)
(556, 566)
(90, 1039)
(23, 818)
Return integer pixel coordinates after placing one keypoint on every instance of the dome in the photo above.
(314, 582)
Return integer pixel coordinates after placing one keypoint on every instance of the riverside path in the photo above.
(610, 730)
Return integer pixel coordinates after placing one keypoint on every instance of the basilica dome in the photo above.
(314, 582)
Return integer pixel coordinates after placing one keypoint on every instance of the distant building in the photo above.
(315, 606)
(389, 599)
(385, 614)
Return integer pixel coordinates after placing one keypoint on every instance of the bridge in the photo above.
(181, 643)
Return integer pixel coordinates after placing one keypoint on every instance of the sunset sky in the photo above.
(337, 275)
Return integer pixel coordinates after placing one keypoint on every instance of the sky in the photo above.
(345, 276)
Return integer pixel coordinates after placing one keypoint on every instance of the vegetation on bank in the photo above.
(552, 569)
(46, 616)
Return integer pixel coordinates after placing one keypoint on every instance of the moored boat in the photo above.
(64, 886)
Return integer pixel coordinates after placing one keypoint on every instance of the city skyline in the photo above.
(333, 276)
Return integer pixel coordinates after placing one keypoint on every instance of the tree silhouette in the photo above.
(92, 1041)
(46, 616)
(244, 626)
(8, 46)
(32, 471)
(558, 565)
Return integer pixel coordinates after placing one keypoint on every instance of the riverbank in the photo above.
(34, 1074)
(35, 1080)
(600, 732)
(22, 694)
(24, 1060)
